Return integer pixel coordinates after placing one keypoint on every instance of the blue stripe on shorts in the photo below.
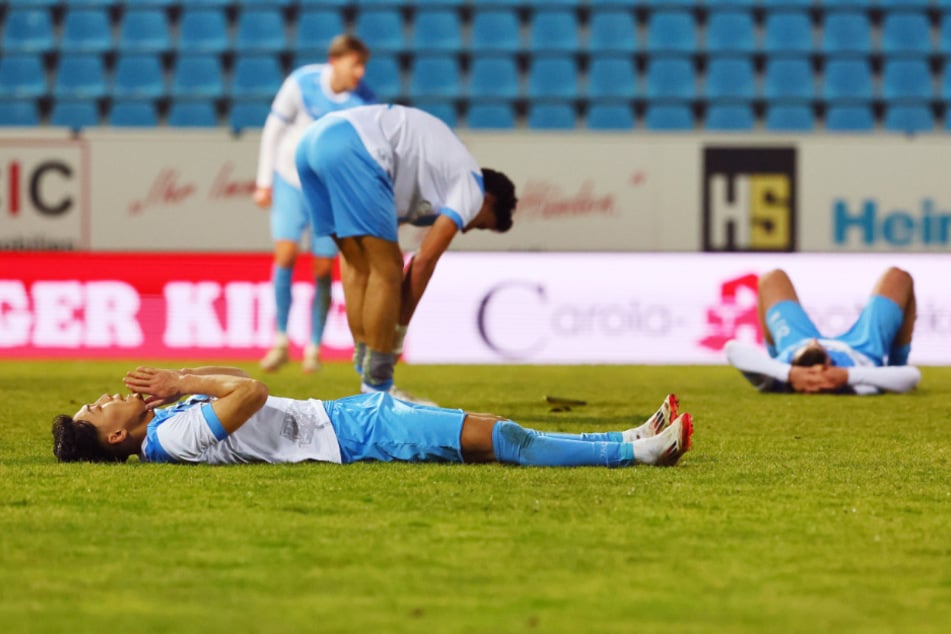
(381, 428)
(346, 191)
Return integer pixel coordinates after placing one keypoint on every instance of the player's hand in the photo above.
(161, 386)
(814, 379)
(262, 197)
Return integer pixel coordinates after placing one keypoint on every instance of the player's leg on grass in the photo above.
(655, 424)
(324, 253)
(285, 254)
(898, 286)
(489, 438)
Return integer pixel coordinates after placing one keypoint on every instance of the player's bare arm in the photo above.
(238, 397)
(421, 267)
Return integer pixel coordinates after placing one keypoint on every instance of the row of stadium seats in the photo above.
(493, 78)
(531, 4)
(555, 115)
(549, 31)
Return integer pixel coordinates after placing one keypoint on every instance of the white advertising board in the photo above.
(647, 308)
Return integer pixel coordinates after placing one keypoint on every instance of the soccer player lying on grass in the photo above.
(235, 420)
(803, 360)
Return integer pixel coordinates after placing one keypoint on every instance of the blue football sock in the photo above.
(515, 444)
(282, 295)
(319, 309)
(898, 355)
(608, 436)
(378, 370)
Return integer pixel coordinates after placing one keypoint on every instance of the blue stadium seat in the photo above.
(260, 31)
(730, 32)
(610, 116)
(730, 117)
(664, 116)
(788, 32)
(34, 3)
(315, 29)
(730, 78)
(325, 3)
(663, 4)
(901, 5)
(197, 75)
(80, 76)
(138, 76)
(437, 30)
(191, 113)
(493, 77)
(906, 34)
(22, 75)
(133, 113)
(862, 5)
(615, 4)
(553, 77)
(442, 109)
(144, 31)
(730, 4)
(944, 37)
(849, 118)
(907, 79)
(381, 30)
(671, 78)
(553, 31)
(211, 3)
(847, 80)
(785, 117)
(909, 118)
(846, 32)
(551, 116)
(27, 31)
(18, 112)
(671, 32)
(152, 3)
(495, 31)
(612, 77)
(203, 31)
(75, 113)
(434, 76)
(945, 89)
(274, 4)
(86, 31)
(788, 79)
(256, 77)
(612, 31)
(488, 115)
(248, 114)
(384, 77)
(543, 4)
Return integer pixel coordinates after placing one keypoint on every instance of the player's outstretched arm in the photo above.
(890, 378)
(765, 373)
(238, 397)
(423, 264)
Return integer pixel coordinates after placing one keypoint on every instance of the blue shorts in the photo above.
(289, 219)
(346, 191)
(379, 427)
(872, 334)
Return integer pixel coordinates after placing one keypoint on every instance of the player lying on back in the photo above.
(232, 419)
(800, 359)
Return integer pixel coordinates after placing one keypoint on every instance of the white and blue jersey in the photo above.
(374, 427)
(304, 97)
(368, 168)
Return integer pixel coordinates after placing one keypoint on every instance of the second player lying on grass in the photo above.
(232, 419)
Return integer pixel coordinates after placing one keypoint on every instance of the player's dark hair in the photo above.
(503, 190)
(345, 44)
(808, 356)
(78, 441)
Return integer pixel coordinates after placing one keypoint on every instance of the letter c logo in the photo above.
(536, 293)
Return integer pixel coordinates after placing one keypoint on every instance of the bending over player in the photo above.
(237, 421)
(801, 359)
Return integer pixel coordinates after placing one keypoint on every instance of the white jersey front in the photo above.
(304, 97)
(432, 171)
(283, 430)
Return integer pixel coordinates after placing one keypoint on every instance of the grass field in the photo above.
(791, 514)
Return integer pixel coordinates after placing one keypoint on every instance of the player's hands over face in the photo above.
(817, 379)
(161, 386)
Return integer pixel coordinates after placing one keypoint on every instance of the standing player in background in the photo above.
(306, 95)
(363, 171)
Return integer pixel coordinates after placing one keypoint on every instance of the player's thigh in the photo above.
(288, 219)
(789, 324)
(875, 330)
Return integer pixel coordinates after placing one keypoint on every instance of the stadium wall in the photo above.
(155, 190)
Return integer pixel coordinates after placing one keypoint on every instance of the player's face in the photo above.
(111, 412)
(349, 69)
(485, 219)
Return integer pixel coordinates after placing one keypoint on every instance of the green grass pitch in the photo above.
(791, 514)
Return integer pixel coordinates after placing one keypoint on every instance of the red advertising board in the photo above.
(151, 305)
